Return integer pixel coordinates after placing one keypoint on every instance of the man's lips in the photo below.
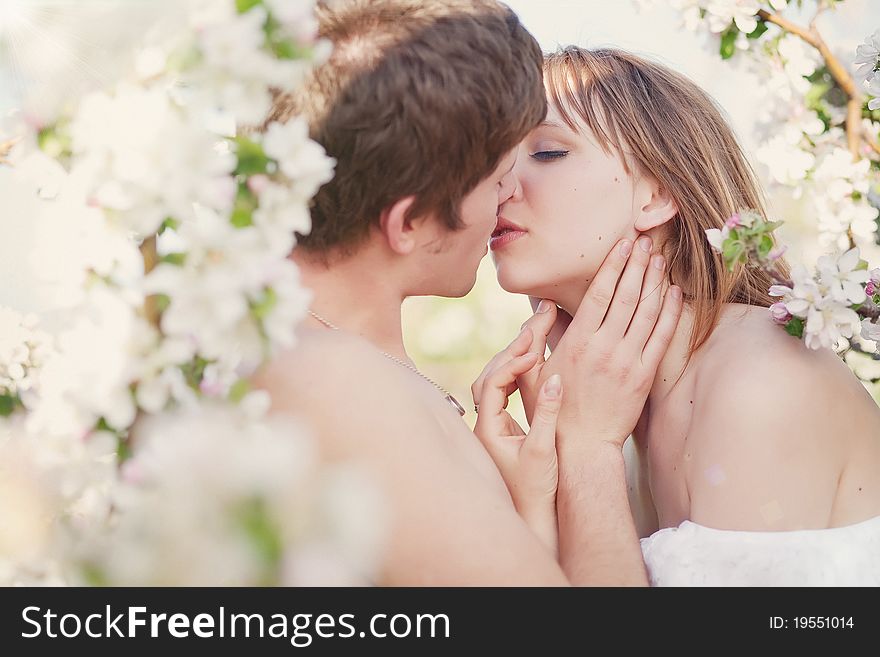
(505, 232)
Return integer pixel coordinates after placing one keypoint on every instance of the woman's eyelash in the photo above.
(549, 155)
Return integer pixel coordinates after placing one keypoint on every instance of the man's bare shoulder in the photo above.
(365, 409)
(335, 376)
(322, 359)
(357, 401)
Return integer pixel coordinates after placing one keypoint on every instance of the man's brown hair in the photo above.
(418, 98)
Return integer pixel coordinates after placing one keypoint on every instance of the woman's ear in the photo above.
(658, 208)
(399, 232)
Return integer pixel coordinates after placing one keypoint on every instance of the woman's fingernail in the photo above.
(658, 261)
(626, 247)
(553, 386)
(645, 243)
(544, 306)
(676, 292)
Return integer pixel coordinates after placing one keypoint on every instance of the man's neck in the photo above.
(357, 296)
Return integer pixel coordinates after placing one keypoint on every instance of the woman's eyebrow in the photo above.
(550, 124)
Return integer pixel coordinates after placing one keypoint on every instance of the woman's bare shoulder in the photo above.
(747, 347)
(764, 429)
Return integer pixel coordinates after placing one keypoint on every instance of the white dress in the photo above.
(694, 555)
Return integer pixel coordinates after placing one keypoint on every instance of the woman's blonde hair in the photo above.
(664, 125)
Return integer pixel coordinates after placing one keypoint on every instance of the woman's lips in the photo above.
(502, 238)
(505, 232)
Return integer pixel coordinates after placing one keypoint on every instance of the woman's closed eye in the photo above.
(545, 156)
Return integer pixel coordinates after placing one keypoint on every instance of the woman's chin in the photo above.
(514, 286)
(510, 284)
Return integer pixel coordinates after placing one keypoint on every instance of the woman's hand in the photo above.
(527, 462)
(610, 351)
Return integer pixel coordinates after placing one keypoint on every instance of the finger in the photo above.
(592, 309)
(629, 290)
(663, 332)
(499, 385)
(540, 442)
(490, 421)
(563, 319)
(518, 347)
(650, 304)
(540, 324)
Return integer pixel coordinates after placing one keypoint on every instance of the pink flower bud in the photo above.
(780, 313)
(777, 252)
(734, 221)
(869, 288)
(258, 183)
(211, 388)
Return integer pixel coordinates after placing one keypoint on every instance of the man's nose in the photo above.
(509, 188)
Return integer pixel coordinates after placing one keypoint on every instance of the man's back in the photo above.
(452, 519)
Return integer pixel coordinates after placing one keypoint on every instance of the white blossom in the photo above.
(868, 56)
(787, 164)
(198, 476)
(148, 160)
(23, 350)
(872, 88)
(870, 330)
(742, 13)
(842, 278)
(827, 323)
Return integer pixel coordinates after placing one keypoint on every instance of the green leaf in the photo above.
(170, 222)
(732, 252)
(8, 404)
(287, 49)
(728, 42)
(162, 302)
(758, 31)
(244, 6)
(264, 305)
(123, 451)
(174, 258)
(243, 209)
(93, 575)
(795, 327)
(54, 140)
(194, 371)
(260, 528)
(238, 390)
(251, 157)
(241, 218)
(765, 246)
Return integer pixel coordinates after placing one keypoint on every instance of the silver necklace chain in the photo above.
(452, 400)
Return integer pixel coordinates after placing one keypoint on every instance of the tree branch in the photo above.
(6, 148)
(855, 98)
(151, 259)
(837, 70)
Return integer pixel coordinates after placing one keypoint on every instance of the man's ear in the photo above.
(399, 232)
(657, 208)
